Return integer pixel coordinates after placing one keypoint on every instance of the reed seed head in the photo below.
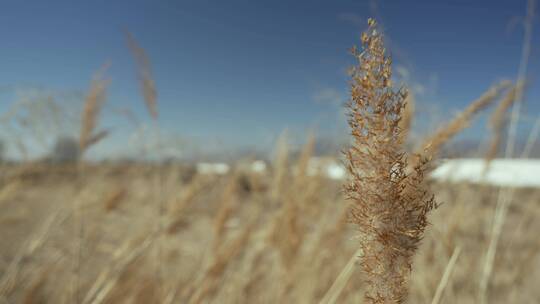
(389, 204)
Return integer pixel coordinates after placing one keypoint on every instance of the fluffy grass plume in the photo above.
(389, 204)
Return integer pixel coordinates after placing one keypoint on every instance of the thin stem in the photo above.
(522, 74)
(335, 290)
(446, 276)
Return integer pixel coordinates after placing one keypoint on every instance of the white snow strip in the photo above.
(501, 172)
(336, 171)
(258, 166)
(212, 168)
(328, 167)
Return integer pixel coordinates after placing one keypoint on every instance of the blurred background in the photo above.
(190, 151)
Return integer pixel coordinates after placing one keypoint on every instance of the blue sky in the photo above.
(236, 73)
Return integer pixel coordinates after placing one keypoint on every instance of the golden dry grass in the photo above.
(118, 263)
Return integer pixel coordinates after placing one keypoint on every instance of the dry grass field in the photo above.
(242, 238)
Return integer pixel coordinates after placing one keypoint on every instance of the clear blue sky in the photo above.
(239, 72)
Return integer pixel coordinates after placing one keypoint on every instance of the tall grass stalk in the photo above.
(522, 74)
(89, 119)
(149, 93)
(506, 195)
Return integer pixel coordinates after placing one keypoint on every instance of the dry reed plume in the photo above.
(389, 205)
(497, 122)
(90, 114)
(144, 74)
(431, 146)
